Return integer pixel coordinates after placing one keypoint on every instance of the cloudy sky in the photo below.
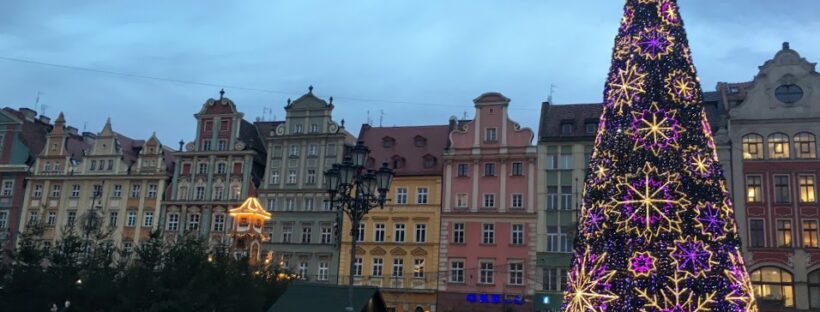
(418, 61)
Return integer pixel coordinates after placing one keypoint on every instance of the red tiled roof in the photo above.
(34, 132)
(405, 147)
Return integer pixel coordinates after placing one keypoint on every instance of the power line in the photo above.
(216, 85)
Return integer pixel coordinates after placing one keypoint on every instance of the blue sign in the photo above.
(494, 299)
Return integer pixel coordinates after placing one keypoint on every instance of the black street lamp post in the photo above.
(354, 189)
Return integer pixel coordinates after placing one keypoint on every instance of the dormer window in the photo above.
(788, 93)
(590, 128)
(566, 128)
(420, 141)
(388, 142)
(429, 161)
(398, 162)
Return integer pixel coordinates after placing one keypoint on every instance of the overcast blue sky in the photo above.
(368, 54)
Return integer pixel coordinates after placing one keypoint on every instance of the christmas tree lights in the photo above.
(657, 230)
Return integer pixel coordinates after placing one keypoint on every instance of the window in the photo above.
(72, 217)
(93, 165)
(47, 166)
(784, 233)
(429, 162)
(236, 190)
(55, 190)
(38, 191)
(773, 284)
(306, 229)
(810, 234)
(127, 248)
(461, 200)
(308, 204)
(489, 169)
(152, 191)
(314, 128)
(401, 196)
(360, 232)
(782, 194)
(75, 191)
(590, 128)
(516, 273)
(51, 218)
(200, 193)
(517, 201)
(788, 93)
(292, 177)
(112, 218)
(294, 150)
(3, 221)
(421, 233)
(814, 289)
(8, 188)
(485, 272)
(565, 161)
(517, 169)
(398, 232)
(754, 189)
(418, 268)
(421, 196)
(462, 170)
(807, 194)
(203, 168)
(299, 129)
(566, 129)
(552, 281)
(32, 217)
(313, 150)
(517, 234)
(287, 233)
(173, 222)
(378, 264)
(752, 147)
(358, 264)
(388, 142)
(757, 236)
(221, 168)
(303, 270)
(323, 271)
(110, 164)
(805, 145)
(457, 271)
(218, 193)
(378, 235)
(489, 200)
(558, 240)
(290, 204)
(398, 267)
(566, 197)
(311, 176)
(206, 145)
(490, 135)
(97, 191)
(274, 177)
(193, 222)
(135, 190)
(102, 165)
(219, 223)
(778, 146)
(116, 192)
(488, 233)
(458, 233)
(327, 234)
(131, 219)
(148, 219)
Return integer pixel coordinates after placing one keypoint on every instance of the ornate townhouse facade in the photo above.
(770, 149)
(215, 172)
(108, 180)
(302, 228)
(398, 246)
(488, 227)
(565, 141)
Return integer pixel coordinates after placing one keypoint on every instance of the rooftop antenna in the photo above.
(369, 122)
(264, 113)
(464, 117)
(85, 125)
(381, 117)
(552, 91)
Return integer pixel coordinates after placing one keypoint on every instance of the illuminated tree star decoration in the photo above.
(648, 203)
(693, 256)
(642, 264)
(656, 129)
(588, 287)
(626, 86)
(654, 42)
(677, 297)
(681, 87)
(656, 232)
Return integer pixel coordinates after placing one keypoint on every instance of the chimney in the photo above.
(89, 138)
(72, 131)
(45, 119)
(29, 113)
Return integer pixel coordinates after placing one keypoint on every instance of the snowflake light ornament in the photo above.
(681, 88)
(711, 219)
(654, 42)
(656, 129)
(589, 286)
(692, 256)
(642, 264)
(626, 86)
(647, 203)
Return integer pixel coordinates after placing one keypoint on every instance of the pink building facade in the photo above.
(488, 227)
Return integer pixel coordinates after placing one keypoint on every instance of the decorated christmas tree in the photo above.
(657, 229)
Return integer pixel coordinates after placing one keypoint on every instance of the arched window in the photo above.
(773, 287)
(805, 145)
(778, 146)
(753, 146)
(814, 289)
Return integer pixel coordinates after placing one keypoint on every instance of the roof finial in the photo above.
(288, 101)
(181, 143)
(786, 45)
(310, 89)
(343, 123)
(221, 93)
(331, 100)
